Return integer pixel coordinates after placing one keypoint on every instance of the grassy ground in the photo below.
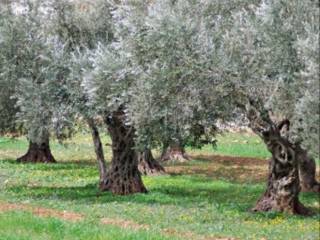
(23, 225)
(206, 198)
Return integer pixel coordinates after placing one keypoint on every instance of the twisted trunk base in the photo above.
(283, 187)
(307, 172)
(281, 194)
(174, 153)
(148, 165)
(123, 177)
(38, 153)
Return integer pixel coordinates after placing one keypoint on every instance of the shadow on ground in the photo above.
(186, 185)
(64, 165)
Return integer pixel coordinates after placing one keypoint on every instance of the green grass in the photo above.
(213, 205)
(22, 225)
(240, 145)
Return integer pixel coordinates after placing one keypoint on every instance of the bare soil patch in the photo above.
(41, 212)
(229, 160)
(238, 169)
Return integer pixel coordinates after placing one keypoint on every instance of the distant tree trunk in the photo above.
(307, 171)
(174, 152)
(99, 152)
(148, 165)
(283, 187)
(38, 153)
(123, 177)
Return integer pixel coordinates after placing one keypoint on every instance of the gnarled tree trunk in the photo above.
(174, 152)
(283, 187)
(123, 177)
(99, 153)
(148, 165)
(307, 171)
(38, 153)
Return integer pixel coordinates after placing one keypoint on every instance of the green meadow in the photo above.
(209, 197)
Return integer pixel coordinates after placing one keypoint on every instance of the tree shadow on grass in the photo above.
(64, 165)
(164, 194)
(234, 197)
(182, 190)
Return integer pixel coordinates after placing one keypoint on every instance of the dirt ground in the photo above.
(238, 169)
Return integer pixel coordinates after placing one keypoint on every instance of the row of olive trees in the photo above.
(163, 74)
(205, 59)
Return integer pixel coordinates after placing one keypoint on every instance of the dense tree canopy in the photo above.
(164, 73)
(7, 69)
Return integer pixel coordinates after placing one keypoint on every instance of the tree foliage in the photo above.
(172, 67)
(274, 56)
(8, 69)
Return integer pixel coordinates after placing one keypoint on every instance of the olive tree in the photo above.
(82, 27)
(108, 86)
(256, 59)
(147, 82)
(36, 67)
(270, 66)
(99, 83)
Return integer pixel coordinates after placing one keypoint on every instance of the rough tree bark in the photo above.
(174, 152)
(283, 186)
(38, 153)
(148, 165)
(123, 177)
(307, 171)
(99, 152)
